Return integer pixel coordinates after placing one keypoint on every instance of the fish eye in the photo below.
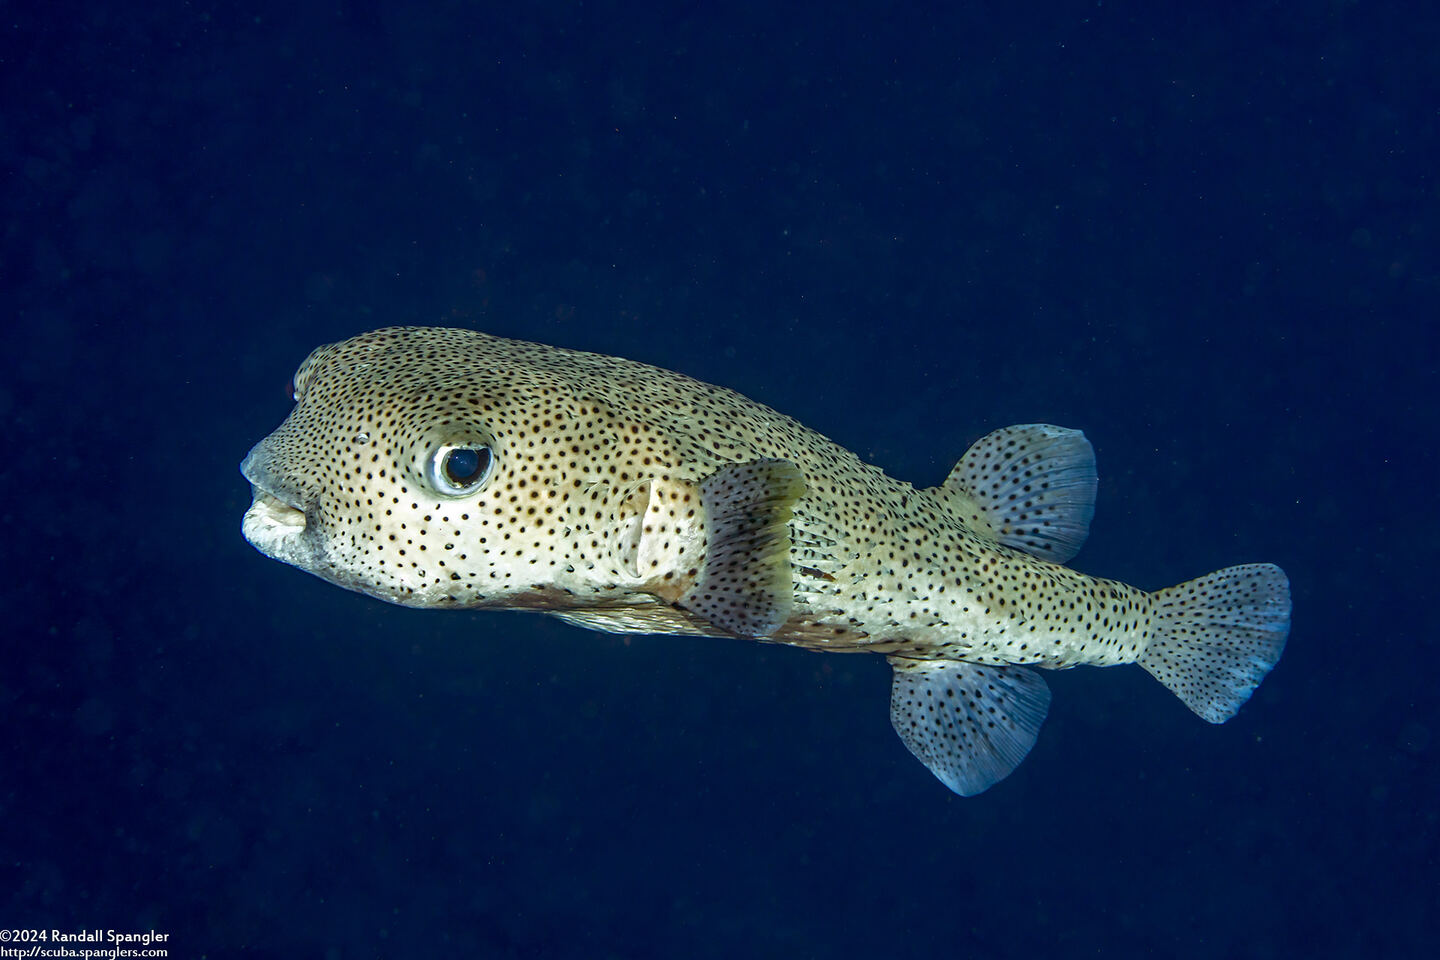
(459, 470)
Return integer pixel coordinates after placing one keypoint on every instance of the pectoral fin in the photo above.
(970, 724)
(746, 585)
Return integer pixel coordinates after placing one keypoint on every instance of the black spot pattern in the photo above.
(1035, 487)
(625, 497)
(971, 725)
(745, 586)
(1217, 636)
(593, 506)
(555, 524)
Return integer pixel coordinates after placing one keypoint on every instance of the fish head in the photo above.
(435, 468)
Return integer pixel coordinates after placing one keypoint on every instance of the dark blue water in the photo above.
(1206, 236)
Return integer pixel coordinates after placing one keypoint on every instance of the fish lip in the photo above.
(276, 528)
(256, 469)
(277, 519)
(276, 511)
(259, 467)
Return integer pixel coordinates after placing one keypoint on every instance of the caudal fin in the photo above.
(1218, 635)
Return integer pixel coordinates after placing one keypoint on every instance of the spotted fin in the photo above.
(970, 724)
(1032, 487)
(1217, 636)
(746, 586)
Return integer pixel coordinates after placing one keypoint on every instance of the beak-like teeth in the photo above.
(273, 511)
(272, 526)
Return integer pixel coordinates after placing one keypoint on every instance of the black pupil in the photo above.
(463, 466)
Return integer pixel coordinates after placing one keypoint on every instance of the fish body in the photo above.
(442, 468)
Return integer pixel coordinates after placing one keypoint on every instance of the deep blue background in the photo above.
(1206, 235)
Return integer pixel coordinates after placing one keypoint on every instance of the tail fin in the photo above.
(1218, 635)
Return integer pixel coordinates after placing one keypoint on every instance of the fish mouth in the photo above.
(277, 529)
(270, 518)
(277, 519)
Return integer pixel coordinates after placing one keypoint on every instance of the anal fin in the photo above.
(970, 724)
(746, 586)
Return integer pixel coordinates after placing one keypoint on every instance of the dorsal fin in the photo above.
(1034, 486)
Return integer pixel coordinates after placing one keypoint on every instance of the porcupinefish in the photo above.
(450, 469)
